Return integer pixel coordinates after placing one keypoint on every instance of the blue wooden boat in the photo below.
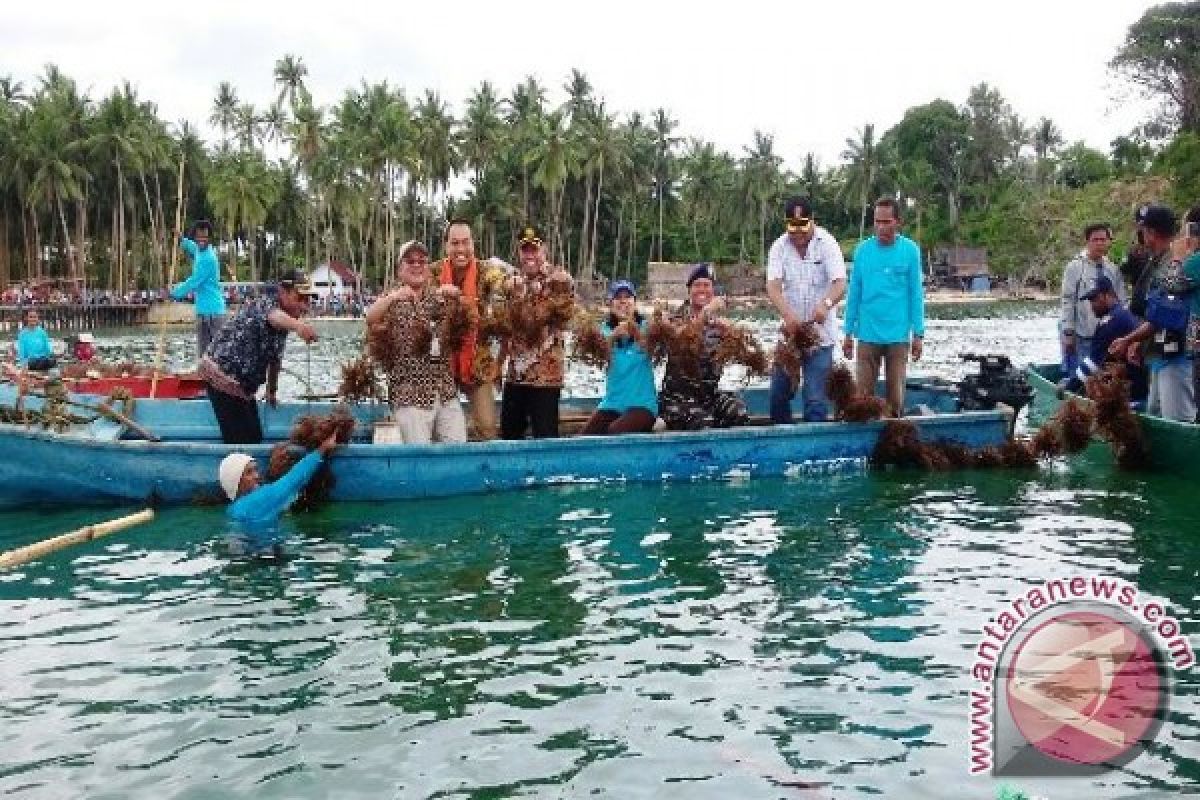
(39, 467)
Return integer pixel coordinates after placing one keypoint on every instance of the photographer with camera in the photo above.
(1166, 293)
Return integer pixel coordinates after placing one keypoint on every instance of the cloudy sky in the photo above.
(809, 73)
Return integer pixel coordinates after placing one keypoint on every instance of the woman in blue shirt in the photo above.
(630, 403)
(33, 344)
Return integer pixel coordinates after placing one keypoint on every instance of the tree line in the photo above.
(88, 186)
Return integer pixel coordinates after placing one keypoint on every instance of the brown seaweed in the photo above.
(863, 408)
(841, 387)
(359, 381)
(591, 346)
(738, 346)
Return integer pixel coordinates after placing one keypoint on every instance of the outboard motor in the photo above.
(998, 381)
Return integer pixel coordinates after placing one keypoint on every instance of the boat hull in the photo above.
(42, 468)
(1171, 444)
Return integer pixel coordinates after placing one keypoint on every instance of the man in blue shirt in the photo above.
(255, 507)
(1113, 321)
(205, 284)
(33, 344)
(885, 306)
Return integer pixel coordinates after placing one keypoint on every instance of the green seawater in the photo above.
(805, 637)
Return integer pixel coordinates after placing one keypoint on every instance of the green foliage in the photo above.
(1161, 55)
(1080, 165)
(1180, 161)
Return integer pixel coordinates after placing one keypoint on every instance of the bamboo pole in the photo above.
(22, 555)
(162, 323)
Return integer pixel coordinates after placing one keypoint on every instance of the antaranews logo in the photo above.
(1074, 679)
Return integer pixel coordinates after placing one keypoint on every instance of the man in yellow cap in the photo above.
(806, 279)
(533, 375)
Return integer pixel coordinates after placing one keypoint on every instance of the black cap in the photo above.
(701, 271)
(1161, 220)
(297, 280)
(1103, 284)
(529, 235)
(798, 214)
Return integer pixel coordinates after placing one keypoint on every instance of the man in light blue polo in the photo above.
(885, 306)
(204, 283)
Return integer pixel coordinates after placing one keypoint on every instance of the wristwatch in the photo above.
(828, 303)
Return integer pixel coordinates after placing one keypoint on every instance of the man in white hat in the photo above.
(255, 505)
(421, 387)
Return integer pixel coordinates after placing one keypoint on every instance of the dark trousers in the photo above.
(237, 418)
(525, 407)
(634, 420)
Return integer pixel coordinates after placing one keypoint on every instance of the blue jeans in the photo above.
(816, 405)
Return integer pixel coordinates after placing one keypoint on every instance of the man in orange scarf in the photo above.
(473, 366)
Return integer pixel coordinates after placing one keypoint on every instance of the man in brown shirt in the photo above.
(421, 388)
(533, 377)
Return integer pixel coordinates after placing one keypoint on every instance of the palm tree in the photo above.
(482, 131)
(1046, 139)
(862, 171)
(435, 148)
(760, 166)
(224, 109)
(553, 161)
(290, 73)
(526, 110)
(664, 143)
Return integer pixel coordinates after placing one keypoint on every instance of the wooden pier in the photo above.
(76, 316)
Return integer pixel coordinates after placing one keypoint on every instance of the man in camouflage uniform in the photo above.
(690, 402)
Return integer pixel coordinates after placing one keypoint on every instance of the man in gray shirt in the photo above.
(1076, 320)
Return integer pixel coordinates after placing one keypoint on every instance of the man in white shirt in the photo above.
(1080, 276)
(806, 279)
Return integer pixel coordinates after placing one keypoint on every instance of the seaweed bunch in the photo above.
(382, 345)
(318, 489)
(1074, 421)
(899, 445)
(988, 457)
(1018, 453)
(792, 347)
(557, 307)
(1109, 392)
(461, 319)
(1046, 442)
(526, 325)
(310, 431)
(660, 336)
(804, 338)
(841, 387)
(359, 382)
(591, 346)
(687, 350)
(863, 408)
(957, 455)
(738, 346)
(682, 343)
(495, 325)
(787, 358)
